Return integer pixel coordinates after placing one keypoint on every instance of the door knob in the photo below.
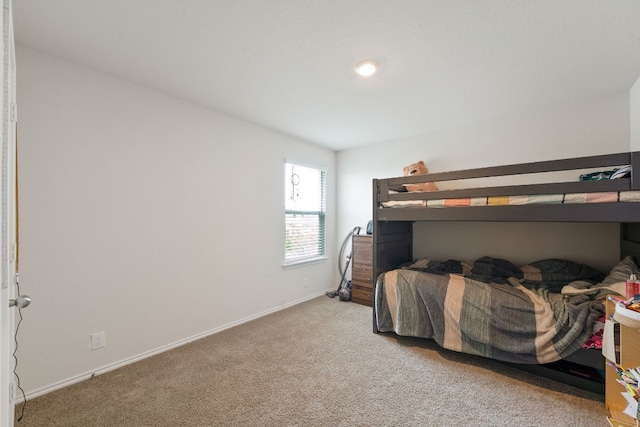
(21, 301)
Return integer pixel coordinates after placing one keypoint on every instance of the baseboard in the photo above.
(141, 356)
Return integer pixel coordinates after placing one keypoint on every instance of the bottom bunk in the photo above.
(541, 317)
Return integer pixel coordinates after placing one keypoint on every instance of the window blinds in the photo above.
(305, 207)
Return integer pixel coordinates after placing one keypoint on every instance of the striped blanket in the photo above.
(536, 199)
(490, 308)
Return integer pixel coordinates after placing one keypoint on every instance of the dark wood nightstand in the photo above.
(362, 269)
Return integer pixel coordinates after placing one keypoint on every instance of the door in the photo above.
(8, 249)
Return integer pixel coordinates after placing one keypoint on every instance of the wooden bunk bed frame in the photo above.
(393, 227)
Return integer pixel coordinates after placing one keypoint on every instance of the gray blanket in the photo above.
(515, 319)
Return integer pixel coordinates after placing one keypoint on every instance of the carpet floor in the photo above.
(315, 364)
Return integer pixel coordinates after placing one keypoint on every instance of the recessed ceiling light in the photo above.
(367, 68)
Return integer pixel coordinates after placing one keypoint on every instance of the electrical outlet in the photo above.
(98, 340)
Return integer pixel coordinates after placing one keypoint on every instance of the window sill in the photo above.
(304, 263)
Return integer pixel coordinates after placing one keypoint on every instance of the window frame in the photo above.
(321, 214)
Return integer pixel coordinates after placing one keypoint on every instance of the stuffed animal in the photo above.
(418, 169)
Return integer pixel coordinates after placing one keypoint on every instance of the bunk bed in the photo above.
(566, 197)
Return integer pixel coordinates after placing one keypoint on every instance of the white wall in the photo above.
(146, 217)
(634, 106)
(590, 127)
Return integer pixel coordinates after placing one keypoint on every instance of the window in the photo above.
(305, 190)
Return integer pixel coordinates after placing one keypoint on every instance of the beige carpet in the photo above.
(315, 364)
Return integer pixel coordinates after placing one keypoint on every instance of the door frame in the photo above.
(8, 248)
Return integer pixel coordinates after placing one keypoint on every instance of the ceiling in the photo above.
(288, 64)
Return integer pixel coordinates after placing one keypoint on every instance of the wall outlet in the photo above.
(98, 340)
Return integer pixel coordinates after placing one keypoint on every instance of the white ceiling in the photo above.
(288, 64)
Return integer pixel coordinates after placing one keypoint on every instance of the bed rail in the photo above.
(593, 212)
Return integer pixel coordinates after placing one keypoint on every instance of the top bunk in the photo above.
(566, 190)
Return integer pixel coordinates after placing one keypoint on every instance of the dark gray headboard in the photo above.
(630, 240)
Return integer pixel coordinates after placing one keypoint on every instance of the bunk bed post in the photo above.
(374, 242)
(392, 244)
(630, 231)
(635, 170)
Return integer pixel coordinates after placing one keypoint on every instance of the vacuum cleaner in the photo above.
(344, 291)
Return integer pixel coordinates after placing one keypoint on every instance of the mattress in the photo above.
(568, 198)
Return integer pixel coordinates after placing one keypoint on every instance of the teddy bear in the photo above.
(418, 169)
